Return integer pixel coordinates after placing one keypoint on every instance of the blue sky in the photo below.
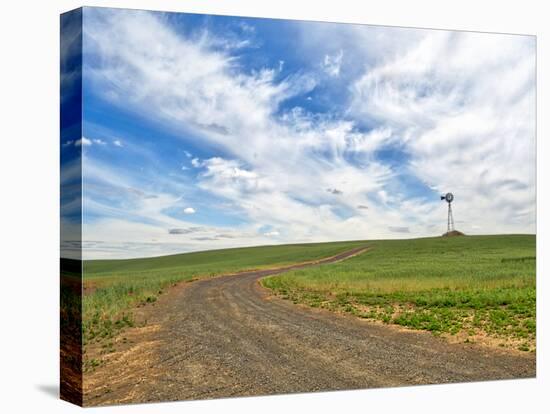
(204, 132)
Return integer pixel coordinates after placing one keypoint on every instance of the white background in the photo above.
(29, 224)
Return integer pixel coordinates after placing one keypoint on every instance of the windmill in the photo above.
(450, 221)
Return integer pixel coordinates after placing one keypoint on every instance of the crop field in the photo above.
(465, 287)
(112, 288)
(468, 288)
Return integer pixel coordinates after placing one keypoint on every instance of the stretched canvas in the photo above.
(254, 206)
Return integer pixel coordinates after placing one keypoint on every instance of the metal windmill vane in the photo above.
(450, 221)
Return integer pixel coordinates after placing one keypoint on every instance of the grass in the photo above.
(474, 285)
(113, 288)
(479, 286)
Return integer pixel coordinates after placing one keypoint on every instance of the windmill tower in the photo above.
(450, 221)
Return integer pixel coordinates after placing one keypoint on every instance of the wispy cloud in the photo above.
(84, 142)
(332, 63)
(462, 106)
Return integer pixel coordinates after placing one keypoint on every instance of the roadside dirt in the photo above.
(227, 336)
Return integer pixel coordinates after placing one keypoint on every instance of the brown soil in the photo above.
(227, 336)
(453, 233)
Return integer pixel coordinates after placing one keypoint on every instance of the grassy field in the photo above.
(466, 287)
(114, 287)
(472, 288)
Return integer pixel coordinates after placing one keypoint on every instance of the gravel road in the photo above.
(227, 336)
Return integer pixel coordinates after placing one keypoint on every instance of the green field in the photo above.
(475, 286)
(114, 287)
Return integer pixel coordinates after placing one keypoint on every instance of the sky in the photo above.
(202, 132)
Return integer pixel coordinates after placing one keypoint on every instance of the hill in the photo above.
(476, 288)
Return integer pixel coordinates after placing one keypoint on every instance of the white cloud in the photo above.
(189, 210)
(273, 233)
(83, 142)
(332, 63)
(118, 143)
(229, 178)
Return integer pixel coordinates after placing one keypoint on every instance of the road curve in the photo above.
(227, 336)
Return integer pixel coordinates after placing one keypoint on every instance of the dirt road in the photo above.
(227, 336)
